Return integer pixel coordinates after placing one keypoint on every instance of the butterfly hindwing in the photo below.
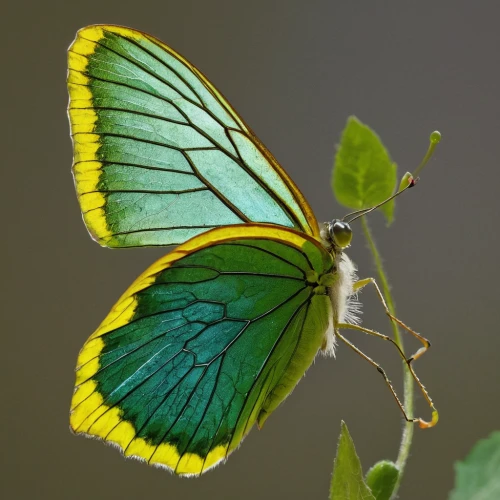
(159, 154)
(205, 343)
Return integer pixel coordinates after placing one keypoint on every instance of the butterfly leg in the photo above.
(423, 424)
(379, 369)
(359, 285)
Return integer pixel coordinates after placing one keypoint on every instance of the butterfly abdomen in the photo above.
(311, 332)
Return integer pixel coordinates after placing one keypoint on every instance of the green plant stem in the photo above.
(407, 435)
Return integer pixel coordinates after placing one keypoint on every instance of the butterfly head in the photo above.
(336, 235)
(339, 234)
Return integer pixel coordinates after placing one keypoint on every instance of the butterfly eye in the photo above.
(341, 233)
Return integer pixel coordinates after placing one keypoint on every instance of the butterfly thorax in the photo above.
(345, 307)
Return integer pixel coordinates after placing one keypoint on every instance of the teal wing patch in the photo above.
(159, 155)
(207, 342)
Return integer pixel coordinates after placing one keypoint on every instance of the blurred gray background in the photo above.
(295, 71)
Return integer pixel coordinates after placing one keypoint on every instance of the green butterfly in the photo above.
(215, 335)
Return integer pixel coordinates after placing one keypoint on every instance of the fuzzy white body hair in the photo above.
(345, 307)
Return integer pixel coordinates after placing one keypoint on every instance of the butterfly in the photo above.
(215, 335)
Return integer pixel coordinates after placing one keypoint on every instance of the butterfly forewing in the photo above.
(159, 154)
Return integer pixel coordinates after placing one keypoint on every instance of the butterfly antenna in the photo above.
(410, 182)
(407, 182)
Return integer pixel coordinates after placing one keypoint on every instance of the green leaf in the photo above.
(382, 479)
(478, 476)
(347, 480)
(363, 174)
